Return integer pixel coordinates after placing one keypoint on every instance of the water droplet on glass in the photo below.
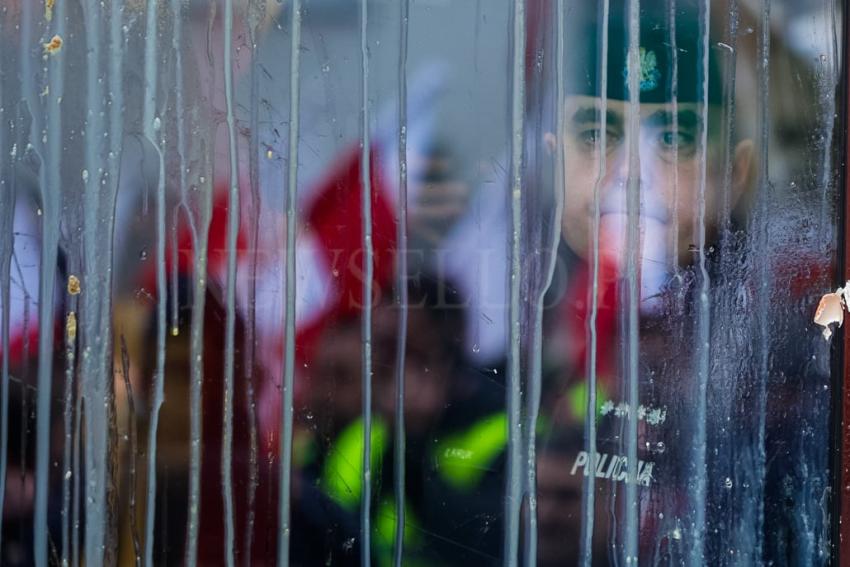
(143, 255)
(476, 348)
(728, 482)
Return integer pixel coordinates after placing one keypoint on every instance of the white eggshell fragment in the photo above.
(830, 310)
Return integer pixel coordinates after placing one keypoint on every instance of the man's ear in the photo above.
(551, 142)
(742, 169)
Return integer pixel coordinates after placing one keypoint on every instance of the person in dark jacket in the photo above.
(720, 476)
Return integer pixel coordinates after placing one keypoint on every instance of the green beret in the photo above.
(662, 51)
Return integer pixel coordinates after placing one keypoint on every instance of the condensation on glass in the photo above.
(418, 282)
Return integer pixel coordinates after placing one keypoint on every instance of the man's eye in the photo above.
(592, 137)
(671, 139)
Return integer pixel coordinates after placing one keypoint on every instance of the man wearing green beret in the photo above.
(667, 142)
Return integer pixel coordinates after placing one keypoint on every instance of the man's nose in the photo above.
(623, 166)
(648, 172)
(620, 169)
(617, 169)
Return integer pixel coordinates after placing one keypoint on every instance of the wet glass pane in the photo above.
(420, 282)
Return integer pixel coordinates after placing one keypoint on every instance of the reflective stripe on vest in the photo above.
(342, 474)
(383, 536)
(463, 458)
(577, 396)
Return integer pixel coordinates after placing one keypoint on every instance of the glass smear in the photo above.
(633, 253)
(290, 282)
(513, 475)
(492, 313)
(401, 292)
(367, 252)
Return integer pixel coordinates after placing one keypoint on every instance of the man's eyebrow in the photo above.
(590, 115)
(687, 119)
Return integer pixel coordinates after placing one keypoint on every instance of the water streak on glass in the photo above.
(513, 480)
(401, 287)
(5, 272)
(674, 98)
(76, 510)
(68, 449)
(368, 275)
(153, 131)
(96, 311)
(114, 154)
(589, 495)
(827, 86)
(7, 243)
(724, 219)
(200, 242)
(116, 89)
(729, 117)
(76, 476)
(50, 241)
(151, 49)
(536, 375)
(200, 246)
(174, 242)
(549, 251)
(632, 511)
(230, 292)
(255, 19)
(703, 321)
(291, 285)
(67, 464)
(180, 149)
(765, 191)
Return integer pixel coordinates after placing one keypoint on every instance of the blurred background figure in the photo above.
(451, 506)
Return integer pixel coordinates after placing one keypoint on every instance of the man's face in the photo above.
(669, 154)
